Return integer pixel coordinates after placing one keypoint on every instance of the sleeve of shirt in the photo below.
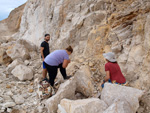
(106, 67)
(66, 57)
(42, 44)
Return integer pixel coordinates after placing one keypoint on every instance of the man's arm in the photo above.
(42, 49)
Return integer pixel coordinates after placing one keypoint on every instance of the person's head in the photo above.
(110, 57)
(47, 37)
(69, 50)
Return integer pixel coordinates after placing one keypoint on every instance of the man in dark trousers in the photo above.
(44, 52)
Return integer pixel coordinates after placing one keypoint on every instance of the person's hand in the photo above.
(69, 61)
(42, 59)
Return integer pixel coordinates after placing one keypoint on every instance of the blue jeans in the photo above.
(109, 81)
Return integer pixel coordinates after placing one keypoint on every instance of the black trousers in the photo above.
(52, 71)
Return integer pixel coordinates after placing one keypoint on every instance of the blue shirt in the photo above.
(56, 57)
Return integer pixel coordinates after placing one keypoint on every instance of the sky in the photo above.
(6, 6)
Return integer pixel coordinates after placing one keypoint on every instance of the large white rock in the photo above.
(84, 81)
(18, 51)
(13, 65)
(119, 107)
(22, 72)
(91, 105)
(111, 92)
(66, 90)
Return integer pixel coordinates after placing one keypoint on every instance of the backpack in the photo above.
(45, 90)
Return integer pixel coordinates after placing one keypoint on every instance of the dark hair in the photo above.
(47, 35)
(69, 49)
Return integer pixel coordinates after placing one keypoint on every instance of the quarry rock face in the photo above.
(91, 27)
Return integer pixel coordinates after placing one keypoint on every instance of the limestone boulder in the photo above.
(111, 92)
(22, 72)
(66, 90)
(91, 105)
(13, 65)
(119, 107)
(18, 51)
(84, 81)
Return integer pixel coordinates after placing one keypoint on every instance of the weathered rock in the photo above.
(147, 34)
(1, 99)
(119, 107)
(7, 98)
(91, 105)
(13, 65)
(111, 92)
(84, 82)
(4, 58)
(18, 51)
(66, 90)
(22, 72)
(18, 99)
(9, 104)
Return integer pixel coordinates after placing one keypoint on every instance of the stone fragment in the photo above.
(18, 99)
(9, 104)
(66, 90)
(22, 72)
(13, 65)
(91, 105)
(119, 107)
(84, 81)
(111, 92)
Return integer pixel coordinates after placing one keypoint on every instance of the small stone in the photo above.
(9, 104)
(8, 86)
(3, 108)
(9, 93)
(31, 90)
(81, 60)
(93, 69)
(91, 64)
(40, 109)
(1, 81)
(31, 83)
(2, 111)
(85, 63)
(27, 62)
(1, 99)
(7, 75)
(9, 110)
(18, 99)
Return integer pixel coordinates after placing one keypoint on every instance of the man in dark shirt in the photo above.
(44, 52)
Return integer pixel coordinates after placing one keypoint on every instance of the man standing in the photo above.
(44, 52)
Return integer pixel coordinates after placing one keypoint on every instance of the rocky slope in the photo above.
(92, 27)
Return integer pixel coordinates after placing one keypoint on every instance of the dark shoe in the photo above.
(45, 79)
(67, 77)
